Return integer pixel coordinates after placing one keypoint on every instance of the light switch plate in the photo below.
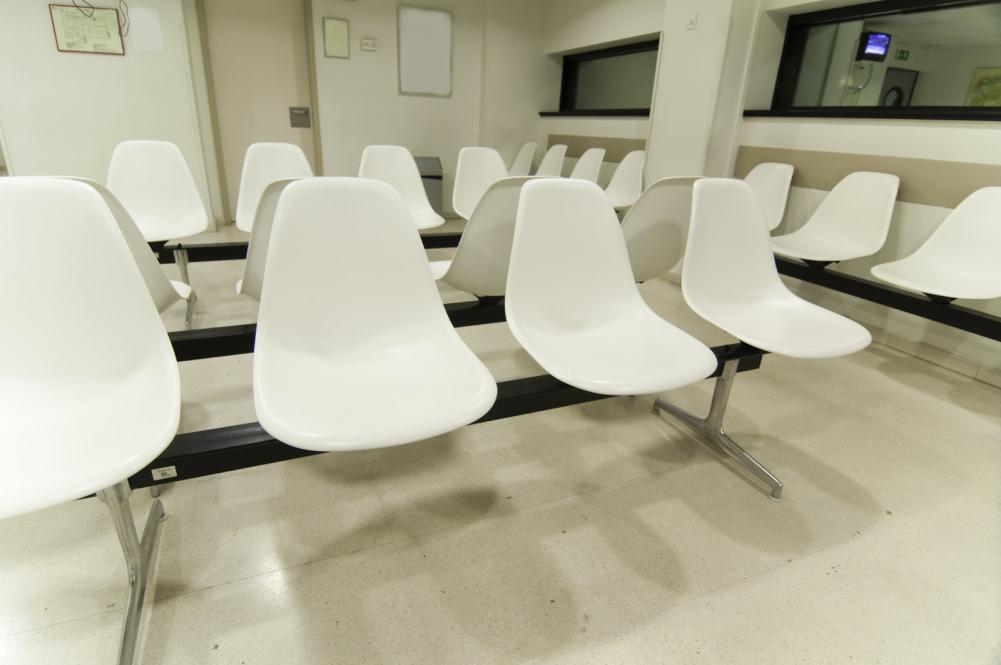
(369, 44)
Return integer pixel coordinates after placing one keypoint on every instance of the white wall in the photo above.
(63, 113)
(582, 24)
(260, 67)
(359, 103)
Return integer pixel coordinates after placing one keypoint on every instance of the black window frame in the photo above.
(568, 84)
(794, 46)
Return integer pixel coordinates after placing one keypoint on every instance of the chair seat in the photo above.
(116, 430)
(812, 248)
(158, 231)
(635, 353)
(426, 218)
(784, 323)
(926, 275)
(183, 290)
(439, 268)
(371, 398)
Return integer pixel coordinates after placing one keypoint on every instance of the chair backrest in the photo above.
(971, 235)
(656, 226)
(163, 292)
(91, 321)
(476, 170)
(349, 244)
(569, 268)
(770, 182)
(484, 252)
(153, 182)
(588, 167)
(728, 256)
(522, 164)
(395, 166)
(263, 164)
(552, 161)
(858, 210)
(626, 184)
(257, 248)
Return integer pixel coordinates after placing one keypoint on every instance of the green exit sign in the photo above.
(903, 54)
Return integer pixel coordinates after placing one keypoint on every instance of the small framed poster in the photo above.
(87, 29)
(336, 42)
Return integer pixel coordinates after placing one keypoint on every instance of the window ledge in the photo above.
(600, 113)
(885, 112)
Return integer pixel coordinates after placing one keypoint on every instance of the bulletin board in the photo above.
(425, 51)
(87, 29)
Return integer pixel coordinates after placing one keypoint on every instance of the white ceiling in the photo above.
(966, 27)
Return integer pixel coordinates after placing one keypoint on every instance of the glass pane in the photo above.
(616, 82)
(945, 57)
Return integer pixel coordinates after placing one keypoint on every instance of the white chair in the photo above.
(522, 164)
(729, 279)
(90, 392)
(770, 182)
(588, 166)
(153, 182)
(626, 184)
(552, 161)
(573, 305)
(656, 226)
(165, 292)
(343, 363)
(851, 222)
(395, 166)
(961, 259)
(263, 164)
(480, 263)
(260, 238)
(476, 170)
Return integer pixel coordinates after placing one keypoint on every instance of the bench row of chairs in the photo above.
(91, 391)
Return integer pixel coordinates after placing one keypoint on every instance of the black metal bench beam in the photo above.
(954, 316)
(235, 251)
(212, 451)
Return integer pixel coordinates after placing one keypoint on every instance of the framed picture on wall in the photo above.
(985, 88)
(87, 29)
(336, 39)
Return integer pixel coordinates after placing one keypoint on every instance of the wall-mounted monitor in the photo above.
(873, 46)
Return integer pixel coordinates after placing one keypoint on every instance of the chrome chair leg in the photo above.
(181, 259)
(711, 428)
(189, 313)
(138, 554)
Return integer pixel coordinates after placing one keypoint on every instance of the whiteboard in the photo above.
(425, 51)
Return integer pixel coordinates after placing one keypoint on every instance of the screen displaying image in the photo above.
(873, 46)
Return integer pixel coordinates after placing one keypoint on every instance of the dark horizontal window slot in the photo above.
(639, 113)
(609, 82)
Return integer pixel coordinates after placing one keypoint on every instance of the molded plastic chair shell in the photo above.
(852, 221)
(476, 170)
(260, 237)
(961, 258)
(771, 182)
(395, 166)
(656, 226)
(263, 164)
(552, 161)
(89, 393)
(588, 167)
(153, 182)
(626, 184)
(481, 260)
(729, 278)
(522, 164)
(348, 364)
(572, 304)
(165, 292)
